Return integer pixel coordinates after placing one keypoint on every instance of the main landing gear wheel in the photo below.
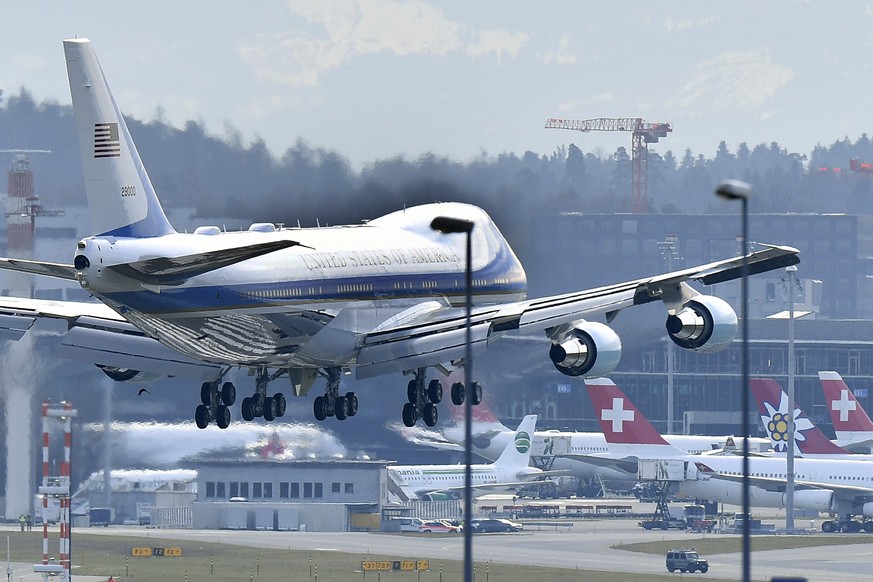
(430, 414)
(228, 393)
(222, 417)
(270, 408)
(281, 404)
(435, 391)
(409, 414)
(247, 409)
(214, 404)
(352, 399)
(341, 408)
(458, 393)
(201, 416)
(318, 408)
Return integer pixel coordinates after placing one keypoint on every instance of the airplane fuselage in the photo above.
(337, 281)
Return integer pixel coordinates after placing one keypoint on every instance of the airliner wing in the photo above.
(629, 465)
(92, 332)
(439, 335)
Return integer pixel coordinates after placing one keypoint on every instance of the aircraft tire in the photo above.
(281, 404)
(269, 409)
(409, 414)
(222, 416)
(341, 407)
(430, 414)
(318, 408)
(412, 392)
(476, 393)
(228, 394)
(201, 416)
(435, 391)
(247, 409)
(458, 393)
(353, 403)
(205, 394)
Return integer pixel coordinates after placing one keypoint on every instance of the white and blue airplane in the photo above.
(511, 470)
(388, 296)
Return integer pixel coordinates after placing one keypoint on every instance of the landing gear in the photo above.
(342, 406)
(422, 399)
(214, 404)
(216, 398)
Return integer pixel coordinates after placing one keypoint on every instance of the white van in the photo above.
(413, 524)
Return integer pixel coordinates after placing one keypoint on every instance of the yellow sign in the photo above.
(401, 565)
(155, 552)
(141, 552)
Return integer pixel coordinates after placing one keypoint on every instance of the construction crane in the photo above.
(22, 204)
(643, 133)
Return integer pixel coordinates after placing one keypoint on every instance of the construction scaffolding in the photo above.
(56, 487)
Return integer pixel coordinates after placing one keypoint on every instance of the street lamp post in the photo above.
(446, 225)
(737, 190)
(789, 469)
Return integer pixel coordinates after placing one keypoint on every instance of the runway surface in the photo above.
(585, 545)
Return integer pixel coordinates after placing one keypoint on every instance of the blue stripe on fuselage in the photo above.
(498, 281)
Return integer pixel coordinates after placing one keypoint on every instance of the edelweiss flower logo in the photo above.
(776, 423)
(522, 442)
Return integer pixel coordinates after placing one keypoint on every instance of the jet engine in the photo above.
(129, 376)
(705, 324)
(867, 509)
(815, 499)
(590, 349)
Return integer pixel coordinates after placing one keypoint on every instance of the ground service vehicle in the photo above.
(686, 561)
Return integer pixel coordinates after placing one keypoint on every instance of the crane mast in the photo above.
(643, 133)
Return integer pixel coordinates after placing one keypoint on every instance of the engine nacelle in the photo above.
(591, 349)
(867, 509)
(705, 324)
(129, 376)
(814, 499)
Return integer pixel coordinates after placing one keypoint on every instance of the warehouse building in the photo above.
(304, 495)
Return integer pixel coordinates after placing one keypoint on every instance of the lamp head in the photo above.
(448, 225)
(734, 190)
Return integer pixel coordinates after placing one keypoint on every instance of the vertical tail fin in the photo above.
(846, 412)
(773, 406)
(619, 419)
(121, 199)
(517, 452)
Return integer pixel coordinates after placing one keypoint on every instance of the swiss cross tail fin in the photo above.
(846, 412)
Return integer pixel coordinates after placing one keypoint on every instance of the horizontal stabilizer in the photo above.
(175, 270)
(57, 270)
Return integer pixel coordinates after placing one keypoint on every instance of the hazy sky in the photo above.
(374, 79)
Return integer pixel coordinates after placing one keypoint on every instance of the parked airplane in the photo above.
(490, 438)
(852, 426)
(511, 470)
(809, 440)
(843, 488)
(383, 297)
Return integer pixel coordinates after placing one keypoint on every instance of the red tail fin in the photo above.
(773, 406)
(619, 419)
(847, 413)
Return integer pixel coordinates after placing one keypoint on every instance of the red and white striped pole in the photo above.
(64, 521)
(45, 480)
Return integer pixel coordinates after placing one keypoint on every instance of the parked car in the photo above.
(494, 525)
(437, 526)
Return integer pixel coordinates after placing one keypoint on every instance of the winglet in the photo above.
(121, 199)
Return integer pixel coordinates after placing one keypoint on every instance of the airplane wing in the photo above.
(439, 335)
(629, 465)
